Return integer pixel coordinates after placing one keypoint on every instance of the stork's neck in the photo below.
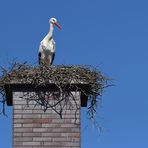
(50, 33)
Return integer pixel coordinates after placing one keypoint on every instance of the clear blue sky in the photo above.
(110, 33)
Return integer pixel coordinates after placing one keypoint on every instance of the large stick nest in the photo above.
(61, 76)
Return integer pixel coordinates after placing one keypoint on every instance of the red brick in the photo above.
(32, 125)
(32, 134)
(23, 139)
(17, 125)
(51, 134)
(31, 143)
(42, 139)
(22, 130)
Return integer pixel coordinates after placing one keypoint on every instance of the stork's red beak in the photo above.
(58, 25)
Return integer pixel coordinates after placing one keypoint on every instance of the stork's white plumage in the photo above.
(47, 45)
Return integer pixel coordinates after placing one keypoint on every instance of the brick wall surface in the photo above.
(34, 128)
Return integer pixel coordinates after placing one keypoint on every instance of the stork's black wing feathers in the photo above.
(53, 56)
(39, 58)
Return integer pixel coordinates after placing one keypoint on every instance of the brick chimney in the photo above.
(34, 128)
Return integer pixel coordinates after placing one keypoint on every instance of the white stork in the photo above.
(47, 46)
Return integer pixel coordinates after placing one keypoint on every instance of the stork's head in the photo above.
(54, 22)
